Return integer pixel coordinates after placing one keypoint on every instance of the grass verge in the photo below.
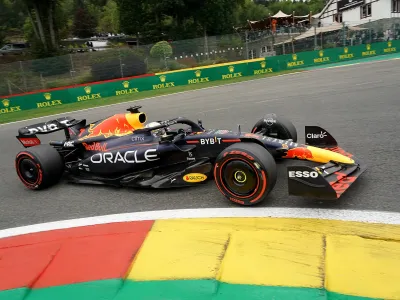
(35, 113)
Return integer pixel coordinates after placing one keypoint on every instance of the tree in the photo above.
(161, 50)
(214, 16)
(250, 11)
(41, 14)
(109, 20)
(132, 15)
(300, 8)
(84, 25)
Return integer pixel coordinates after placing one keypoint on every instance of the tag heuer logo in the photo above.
(198, 73)
(163, 78)
(294, 56)
(346, 49)
(231, 69)
(368, 46)
(263, 64)
(125, 84)
(47, 96)
(6, 102)
(321, 53)
(88, 89)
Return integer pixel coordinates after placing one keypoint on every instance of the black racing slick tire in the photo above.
(245, 173)
(39, 167)
(281, 127)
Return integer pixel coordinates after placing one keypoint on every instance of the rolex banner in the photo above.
(100, 92)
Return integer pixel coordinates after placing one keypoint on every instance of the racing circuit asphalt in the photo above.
(358, 105)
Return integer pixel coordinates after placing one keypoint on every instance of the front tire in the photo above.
(245, 173)
(276, 127)
(39, 167)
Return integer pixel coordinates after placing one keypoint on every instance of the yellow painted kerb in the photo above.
(352, 258)
(213, 66)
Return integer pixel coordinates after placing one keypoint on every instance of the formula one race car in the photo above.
(122, 151)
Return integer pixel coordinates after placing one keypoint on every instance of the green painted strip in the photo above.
(15, 294)
(115, 289)
(94, 290)
(356, 61)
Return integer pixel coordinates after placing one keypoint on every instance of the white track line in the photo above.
(206, 88)
(327, 214)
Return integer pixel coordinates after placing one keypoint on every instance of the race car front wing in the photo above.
(328, 181)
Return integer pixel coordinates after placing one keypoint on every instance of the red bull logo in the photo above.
(117, 125)
(95, 147)
(300, 153)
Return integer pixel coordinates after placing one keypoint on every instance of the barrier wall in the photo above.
(159, 81)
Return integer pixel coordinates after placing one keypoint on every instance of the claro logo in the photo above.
(303, 174)
(316, 135)
(194, 177)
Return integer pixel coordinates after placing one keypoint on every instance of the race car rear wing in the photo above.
(28, 135)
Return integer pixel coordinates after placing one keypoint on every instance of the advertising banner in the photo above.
(132, 86)
(89, 93)
(347, 53)
(265, 66)
(161, 81)
(295, 60)
(39, 100)
(390, 47)
(325, 56)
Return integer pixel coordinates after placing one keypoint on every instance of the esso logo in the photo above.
(303, 174)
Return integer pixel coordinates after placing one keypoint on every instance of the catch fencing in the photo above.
(118, 61)
(194, 76)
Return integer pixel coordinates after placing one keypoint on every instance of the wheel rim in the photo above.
(28, 170)
(240, 178)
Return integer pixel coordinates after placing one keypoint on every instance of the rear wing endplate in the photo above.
(28, 135)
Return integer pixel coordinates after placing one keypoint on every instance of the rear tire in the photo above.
(39, 167)
(245, 173)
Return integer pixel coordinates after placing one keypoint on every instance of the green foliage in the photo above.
(3, 35)
(132, 16)
(84, 25)
(109, 18)
(230, 41)
(251, 11)
(150, 21)
(52, 65)
(161, 50)
(106, 66)
(300, 8)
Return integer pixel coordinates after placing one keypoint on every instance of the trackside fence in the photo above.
(196, 75)
(118, 60)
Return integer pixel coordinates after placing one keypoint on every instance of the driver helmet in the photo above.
(157, 132)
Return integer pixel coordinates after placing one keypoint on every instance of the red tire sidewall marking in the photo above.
(264, 187)
(40, 174)
(264, 178)
(254, 169)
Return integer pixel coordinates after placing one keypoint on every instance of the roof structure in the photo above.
(315, 31)
(280, 14)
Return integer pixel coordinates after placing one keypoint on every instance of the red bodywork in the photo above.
(300, 153)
